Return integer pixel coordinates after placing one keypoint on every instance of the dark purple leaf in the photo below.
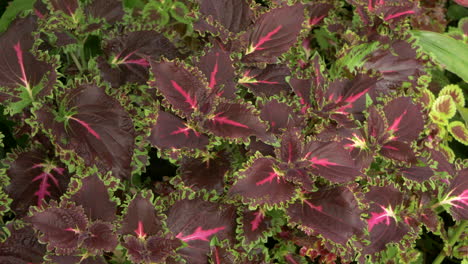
(101, 238)
(141, 218)
(67, 6)
(218, 68)
(235, 120)
(303, 89)
(274, 33)
(255, 224)
(376, 126)
(234, 15)
(199, 174)
(155, 249)
(61, 226)
(21, 247)
(110, 10)
(35, 177)
(78, 260)
(172, 132)
(397, 65)
(383, 234)
(349, 96)
(100, 130)
(398, 150)
(182, 88)
(262, 183)
(292, 146)
(200, 222)
(418, 174)
(332, 213)
(331, 161)
(398, 10)
(22, 75)
(266, 82)
(94, 198)
(404, 119)
(257, 145)
(128, 56)
(382, 224)
(457, 196)
(318, 11)
(280, 116)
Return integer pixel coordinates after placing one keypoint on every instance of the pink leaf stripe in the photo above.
(214, 72)
(350, 100)
(257, 220)
(185, 131)
(192, 102)
(315, 20)
(225, 120)
(264, 39)
(140, 230)
(377, 218)
(19, 55)
(399, 15)
(87, 126)
(390, 147)
(125, 60)
(462, 199)
(313, 207)
(269, 179)
(44, 185)
(218, 261)
(395, 126)
(321, 162)
(74, 230)
(200, 234)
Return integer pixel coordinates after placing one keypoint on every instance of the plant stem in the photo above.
(77, 62)
(452, 241)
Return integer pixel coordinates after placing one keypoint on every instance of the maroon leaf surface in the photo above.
(262, 183)
(60, 226)
(235, 120)
(35, 177)
(127, 56)
(280, 116)
(202, 220)
(333, 213)
(100, 130)
(266, 82)
(331, 161)
(182, 88)
(234, 15)
(274, 33)
(21, 247)
(140, 218)
(94, 198)
(218, 69)
(172, 132)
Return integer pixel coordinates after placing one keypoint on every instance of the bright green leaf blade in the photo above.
(12, 11)
(451, 53)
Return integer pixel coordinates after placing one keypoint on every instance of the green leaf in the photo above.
(12, 11)
(451, 53)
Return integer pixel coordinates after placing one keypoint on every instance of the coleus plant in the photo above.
(295, 132)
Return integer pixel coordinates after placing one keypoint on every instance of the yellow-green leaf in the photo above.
(444, 106)
(455, 92)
